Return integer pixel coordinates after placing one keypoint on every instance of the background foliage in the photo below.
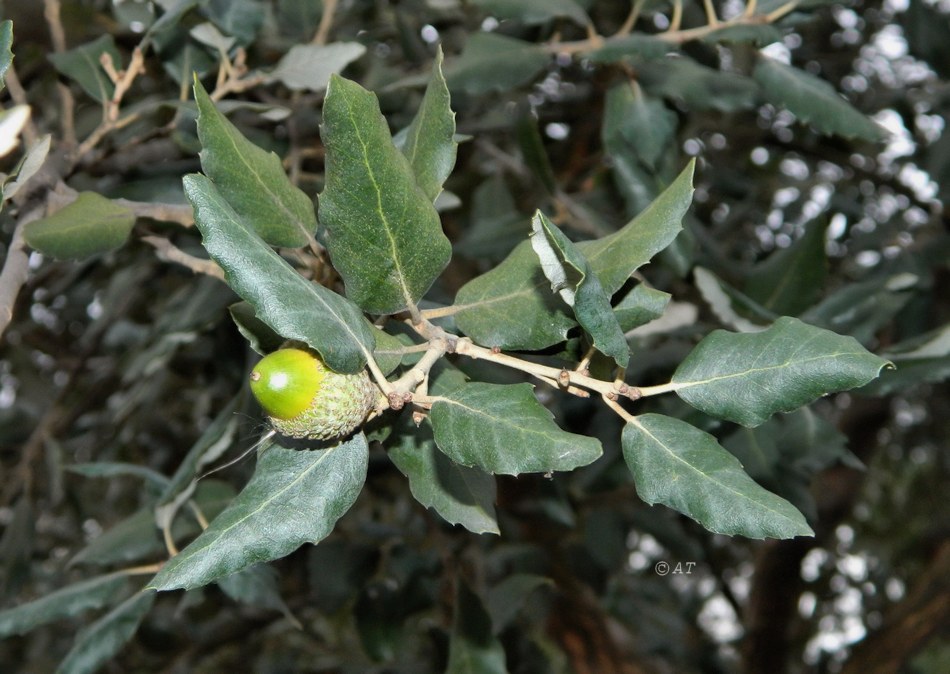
(126, 356)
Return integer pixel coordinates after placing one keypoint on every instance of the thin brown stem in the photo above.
(631, 19)
(169, 252)
(326, 21)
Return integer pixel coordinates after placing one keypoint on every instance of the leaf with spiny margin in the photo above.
(504, 429)
(82, 65)
(684, 468)
(814, 101)
(429, 141)
(65, 602)
(510, 306)
(382, 231)
(790, 279)
(252, 180)
(748, 377)
(295, 497)
(6, 53)
(460, 494)
(90, 225)
(615, 256)
(492, 62)
(563, 263)
(289, 304)
(97, 644)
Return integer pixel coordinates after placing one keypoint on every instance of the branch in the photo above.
(169, 252)
(326, 20)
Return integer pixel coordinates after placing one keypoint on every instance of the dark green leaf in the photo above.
(252, 180)
(572, 277)
(492, 62)
(535, 11)
(814, 101)
(96, 644)
(108, 469)
(636, 45)
(504, 429)
(684, 468)
(66, 602)
(309, 66)
(291, 305)
(383, 233)
(460, 494)
(82, 64)
(240, 18)
(511, 307)
(6, 53)
(747, 377)
(92, 224)
(726, 303)
(429, 143)
(473, 649)
(615, 256)
(919, 360)
(637, 124)
(496, 225)
(791, 279)
(758, 35)
(256, 586)
(295, 497)
(533, 152)
(699, 87)
(258, 334)
(510, 595)
(640, 306)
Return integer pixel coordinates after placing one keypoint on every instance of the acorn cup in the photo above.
(305, 399)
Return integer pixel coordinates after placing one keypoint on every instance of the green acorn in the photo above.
(303, 398)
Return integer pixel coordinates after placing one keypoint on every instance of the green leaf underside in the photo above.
(615, 256)
(535, 11)
(492, 62)
(383, 233)
(6, 55)
(98, 643)
(290, 305)
(460, 494)
(429, 143)
(66, 602)
(252, 180)
(309, 66)
(677, 465)
(790, 280)
(747, 377)
(91, 224)
(82, 65)
(511, 306)
(591, 303)
(504, 429)
(473, 649)
(295, 497)
(813, 101)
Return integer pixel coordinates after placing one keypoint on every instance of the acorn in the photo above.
(303, 398)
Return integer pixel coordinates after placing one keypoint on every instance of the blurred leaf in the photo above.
(504, 429)
(291, 305)
(496, 225)
(429, 141)
(309, 66)
(758, 35)
(510, 306)
(756, 449)
(510, 595)
(91, 224)
(684, 468)
(615, 256)
(925, 30)
(110, 469)
(305, 491)
(299, 19)
(207, 33)
(813, 101)
(638, 124)
(383, 234)
(473, 649)
(460, 494)
(6, 54)
(16, 547)
(923, 359)
(99, 642)
(251, 180)
(492, 62)
(637, 45)
(82, 64)
(240, 18)
(640, 306)
(572, 277)
(173, 10)
(699, 87)
(791, 279)
(535, 11)
(257, 586)
(65, 602)
(27, 167)
(747, 377)
(723, 300)
(534, 153)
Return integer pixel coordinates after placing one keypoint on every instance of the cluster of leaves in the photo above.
(448, 324)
